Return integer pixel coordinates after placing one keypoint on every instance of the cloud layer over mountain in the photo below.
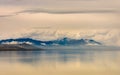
(104, 36)
(52, 19)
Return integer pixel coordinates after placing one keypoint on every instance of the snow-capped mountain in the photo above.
(62, 42)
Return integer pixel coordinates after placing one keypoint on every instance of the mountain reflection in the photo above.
(60, 62)
(64, 56)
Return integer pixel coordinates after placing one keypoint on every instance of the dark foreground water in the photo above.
(60, 62)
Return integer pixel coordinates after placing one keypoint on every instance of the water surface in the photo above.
(60, 62)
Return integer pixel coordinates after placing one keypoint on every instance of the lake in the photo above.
(60, 62)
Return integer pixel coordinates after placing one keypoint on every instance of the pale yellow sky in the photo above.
(73, 16)
(59, 14)
(60, 21)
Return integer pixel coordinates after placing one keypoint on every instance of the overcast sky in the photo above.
(63, 15)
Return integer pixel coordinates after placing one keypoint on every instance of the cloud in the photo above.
(49, 11)
(32, 2)
(10, 15)
(106, 37)
(45, 27)
(61, 6)
(66, 11)
(7, 15)
(15, 42)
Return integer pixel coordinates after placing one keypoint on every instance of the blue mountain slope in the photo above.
(63, 42)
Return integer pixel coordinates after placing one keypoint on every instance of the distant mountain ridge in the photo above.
(18, 47)
(63, 41)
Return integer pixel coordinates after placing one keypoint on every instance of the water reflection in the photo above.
(63, 61)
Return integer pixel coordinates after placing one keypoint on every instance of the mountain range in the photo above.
(62, 42)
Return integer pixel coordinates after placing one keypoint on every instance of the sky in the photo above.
(58, 18)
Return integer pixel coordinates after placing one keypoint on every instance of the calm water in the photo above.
(60, 62)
